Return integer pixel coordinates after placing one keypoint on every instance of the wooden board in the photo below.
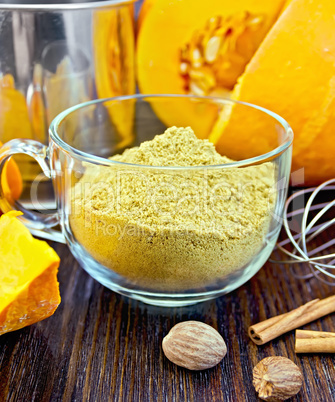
(99, 346)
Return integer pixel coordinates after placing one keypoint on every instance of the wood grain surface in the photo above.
(100, 346)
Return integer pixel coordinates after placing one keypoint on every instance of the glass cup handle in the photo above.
(40, 224)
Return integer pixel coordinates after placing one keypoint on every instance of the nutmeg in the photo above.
(194, 345)
(277, 378)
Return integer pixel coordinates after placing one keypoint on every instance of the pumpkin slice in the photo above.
(185, 47)
(293, 74)
(11, 180)
(14, 118)
(28, 275)
(146, 5)
(15, 123)
(114, 65)
(37, 110)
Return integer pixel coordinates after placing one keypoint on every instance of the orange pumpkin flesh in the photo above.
(28, 275)
(293, 74)
(174, 35)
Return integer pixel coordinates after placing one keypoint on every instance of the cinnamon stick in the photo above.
(314, 341)
(267, 330)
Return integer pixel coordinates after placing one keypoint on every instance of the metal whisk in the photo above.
(308, 231)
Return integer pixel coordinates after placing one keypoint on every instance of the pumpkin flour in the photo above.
(172, 229)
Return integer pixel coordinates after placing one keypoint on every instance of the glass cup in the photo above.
(165, 235)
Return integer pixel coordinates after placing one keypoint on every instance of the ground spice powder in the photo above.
(173, 229)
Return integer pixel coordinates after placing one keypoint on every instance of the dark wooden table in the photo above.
(100, 346)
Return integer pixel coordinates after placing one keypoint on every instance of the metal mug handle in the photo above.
(39, 224)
